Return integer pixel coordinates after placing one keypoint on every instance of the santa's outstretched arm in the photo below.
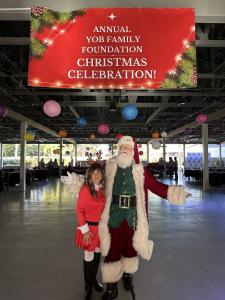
(175, 194)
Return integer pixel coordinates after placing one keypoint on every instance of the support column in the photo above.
(1, 155)
(38, 154)
(148, 152)
(220, 155)
(75, 153)
(60, 157)
(164, 150)
(23, 127)
(205, 157)
(184, 157)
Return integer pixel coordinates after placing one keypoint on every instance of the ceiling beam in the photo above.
(211, 117)
(21, 118)
(172, 93)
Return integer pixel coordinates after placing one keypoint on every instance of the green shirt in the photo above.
(123, 185)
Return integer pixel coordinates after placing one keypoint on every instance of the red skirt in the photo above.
(95, 242)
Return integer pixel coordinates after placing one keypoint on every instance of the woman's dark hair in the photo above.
(89, 181)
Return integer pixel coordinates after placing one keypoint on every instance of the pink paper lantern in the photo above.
(52, 108)
(103, 129)
(201, 118)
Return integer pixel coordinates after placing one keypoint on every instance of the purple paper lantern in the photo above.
(188, 130)
(103, 129)
(52, 108)
(201, 118)
(3, 110)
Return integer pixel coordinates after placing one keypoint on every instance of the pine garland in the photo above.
(41, 18)
(37, 48)
(185, 73)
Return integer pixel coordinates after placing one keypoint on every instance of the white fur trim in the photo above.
(84, 228)
(176, 194)
(130, 265)
(112, 272)
(126, 140)
(105, 238)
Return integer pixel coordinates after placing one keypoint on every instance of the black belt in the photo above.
(92, 223)
(124, 201)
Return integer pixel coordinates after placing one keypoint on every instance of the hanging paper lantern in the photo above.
(92, 136)
(62, 133)
(156, 145)
(52, 108)
(67, 152)
(129, 112)
(140, 146)
(54, 151)
(57, 151)
(3, 110)
(155, 135)
(103, 129)
(87, 148)
(115, 147)
(188, 130)
(81, 121)
(28, 137)
(31, 131)
(163, 134)
(201, 118)
(141, 153)
(119, 135)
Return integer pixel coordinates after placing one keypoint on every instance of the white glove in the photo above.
(177, 194)
(67, 179)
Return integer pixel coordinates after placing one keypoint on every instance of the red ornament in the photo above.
(141, 153)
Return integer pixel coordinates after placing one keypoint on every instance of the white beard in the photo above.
(124, 160)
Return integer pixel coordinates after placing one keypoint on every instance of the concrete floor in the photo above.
(38, 260)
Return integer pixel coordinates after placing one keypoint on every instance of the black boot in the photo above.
(127, 281)
(97, 285)
(88, 270)
(111, 291)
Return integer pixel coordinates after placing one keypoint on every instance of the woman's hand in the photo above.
(87, 238)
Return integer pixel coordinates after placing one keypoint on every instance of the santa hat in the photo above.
(128, 140)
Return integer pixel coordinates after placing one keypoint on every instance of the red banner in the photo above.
(113, 48)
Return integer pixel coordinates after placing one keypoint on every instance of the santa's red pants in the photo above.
(121, 243)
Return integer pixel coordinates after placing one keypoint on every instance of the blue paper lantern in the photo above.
(129, 112)
(81, 121)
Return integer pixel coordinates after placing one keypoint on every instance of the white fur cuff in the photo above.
(105, 238)
(130, 265)
(112, 272)
(176, 194)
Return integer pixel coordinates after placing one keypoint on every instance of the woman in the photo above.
(90, 204)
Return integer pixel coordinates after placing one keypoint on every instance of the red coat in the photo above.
(155, 186)
(89, 208)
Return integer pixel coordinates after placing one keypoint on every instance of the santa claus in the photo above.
(124, 228)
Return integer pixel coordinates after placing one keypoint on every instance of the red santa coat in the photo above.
(89, 209)
(155, 186)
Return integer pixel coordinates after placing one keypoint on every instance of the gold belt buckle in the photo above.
(121, 201)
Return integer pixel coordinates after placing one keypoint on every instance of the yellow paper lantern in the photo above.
(115, 147)
(92, 136)
(62, 133)
(28, 137)
(57, 151)
(155, 135)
